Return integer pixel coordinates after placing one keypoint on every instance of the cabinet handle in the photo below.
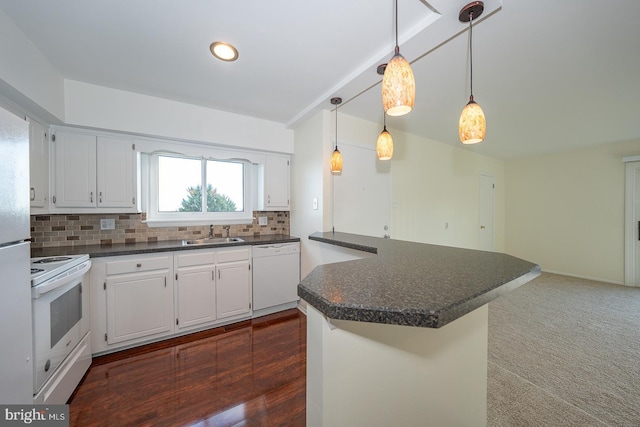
(33, 194)
(138, 265)
(100, 197)
(91, 197)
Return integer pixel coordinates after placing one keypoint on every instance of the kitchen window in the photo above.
(198, 190)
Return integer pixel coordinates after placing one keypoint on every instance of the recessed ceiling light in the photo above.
(224, 51)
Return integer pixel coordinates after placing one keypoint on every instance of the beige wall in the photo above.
(432, 183)
(436, 183)
(566, 211)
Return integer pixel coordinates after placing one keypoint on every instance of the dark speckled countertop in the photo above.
(95, 251)
(407, 283)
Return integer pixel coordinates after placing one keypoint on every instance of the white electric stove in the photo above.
(60, 304)
(44, 268)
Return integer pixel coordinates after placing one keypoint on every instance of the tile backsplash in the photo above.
(50, 230)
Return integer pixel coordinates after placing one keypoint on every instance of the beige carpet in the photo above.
(565, 352)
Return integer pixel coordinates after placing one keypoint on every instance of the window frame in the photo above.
(156, 218)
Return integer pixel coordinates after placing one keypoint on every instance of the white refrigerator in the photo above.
(16, 368)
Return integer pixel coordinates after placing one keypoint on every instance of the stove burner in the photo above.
(52, 259)
(36, 270)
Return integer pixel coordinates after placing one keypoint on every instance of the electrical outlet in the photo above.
(107, 224)
(262, 220)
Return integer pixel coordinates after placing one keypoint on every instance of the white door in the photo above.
(362, 193)
(632, 224)
(486, 208)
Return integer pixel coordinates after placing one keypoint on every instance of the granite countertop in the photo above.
(96, 251)
(410, 284)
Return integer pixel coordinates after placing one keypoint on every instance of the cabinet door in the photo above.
(138, 305)
(276, 181)
(115, 173)
(196, 294)
(233, 290)
(38, 165)
(75, 170)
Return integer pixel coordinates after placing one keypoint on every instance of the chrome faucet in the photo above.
(227, 227)
(211, 231)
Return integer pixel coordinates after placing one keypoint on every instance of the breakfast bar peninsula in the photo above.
(399, 337)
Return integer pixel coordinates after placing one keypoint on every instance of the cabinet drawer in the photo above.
(138, 264)
(195, 258)
(235, 254)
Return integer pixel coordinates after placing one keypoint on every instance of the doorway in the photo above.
(486, 208)
(362, 193)
(632, 221)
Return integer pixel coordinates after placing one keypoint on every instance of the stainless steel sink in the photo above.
(211, 241)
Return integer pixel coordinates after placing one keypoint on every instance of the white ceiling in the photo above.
(550, 75)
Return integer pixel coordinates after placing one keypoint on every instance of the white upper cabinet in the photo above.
(274, 187)
(93, 174)
(115, 173)
(75, 170)
(39, 166)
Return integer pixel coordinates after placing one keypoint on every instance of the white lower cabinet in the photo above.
(233, 293)
(138, 299)
(195, 288)
(131, 300)
(138, 306)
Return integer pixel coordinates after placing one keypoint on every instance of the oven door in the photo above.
(60, 320)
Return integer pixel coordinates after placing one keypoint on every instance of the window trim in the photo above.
(168, 219)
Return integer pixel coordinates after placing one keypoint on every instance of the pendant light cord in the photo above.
(336, 126)
(397, 47)
(471, 51)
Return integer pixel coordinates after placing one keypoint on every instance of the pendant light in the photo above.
(336, 157)
(398, 84)
(384, 146)
(472, 126)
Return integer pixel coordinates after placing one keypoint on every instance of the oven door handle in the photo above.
(60, 280)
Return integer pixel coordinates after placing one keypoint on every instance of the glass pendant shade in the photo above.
(398, 86)
(472, 126)
(384, 146)
(336, 161)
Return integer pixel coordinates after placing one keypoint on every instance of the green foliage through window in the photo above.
(215, 202)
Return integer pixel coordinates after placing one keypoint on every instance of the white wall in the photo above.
(27, 79)
(105, 108)
(436, 183)
(566, 211)
(306, 184)
(311, 178)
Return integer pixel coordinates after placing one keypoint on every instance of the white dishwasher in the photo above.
(276, 275)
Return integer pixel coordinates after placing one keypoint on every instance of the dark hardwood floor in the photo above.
(247, 374)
